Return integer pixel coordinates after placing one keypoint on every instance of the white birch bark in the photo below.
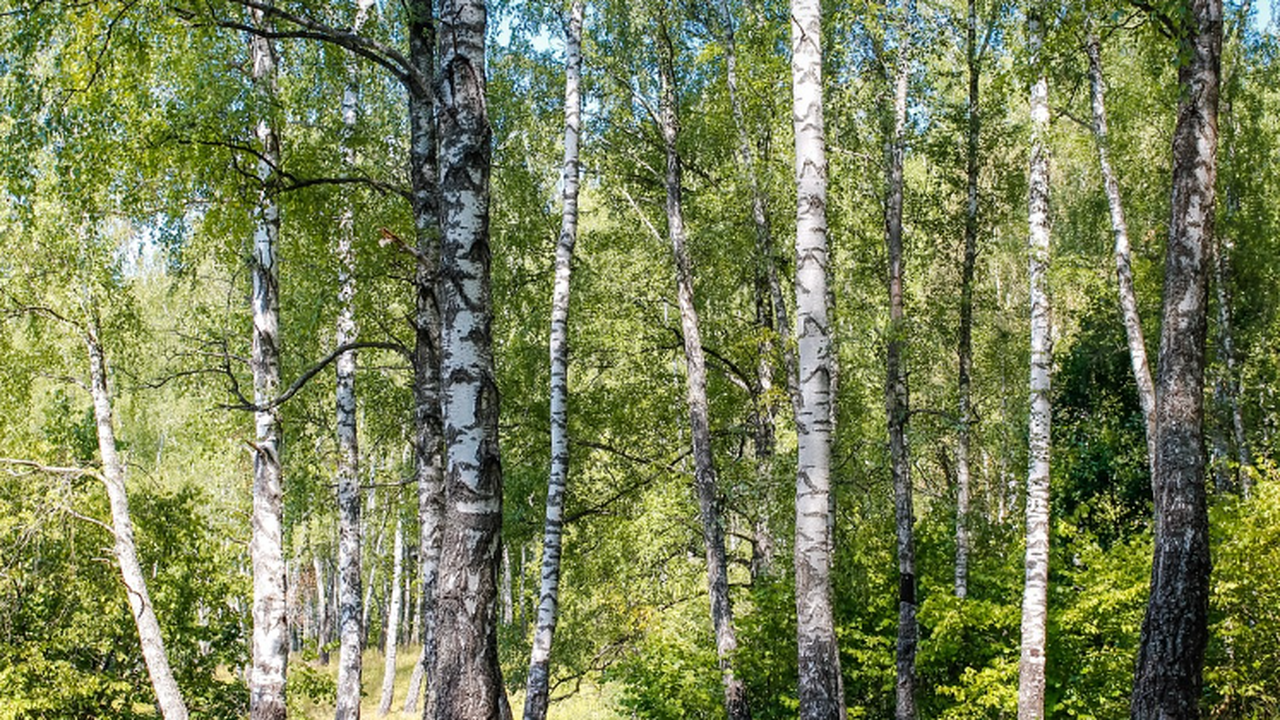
(1168, 676)
(897, 400)
(168, 696)
(466, 676)
(1031, 679)
(965, 352)
(350, 663)
(323, 618)
(390, 642)
(1124, 267)
(705, 479)
(819, 663)
(270, 644)
(537, 687)
(428, 445)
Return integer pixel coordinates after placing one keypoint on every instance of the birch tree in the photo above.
(1120, 232)
(821, 694)
(897, 399)
(536, 691)
(270, 623)
(350, 664)
(1169, 677)
(466, 677)
(391, 641)
(705, 476)
(1035, 597)
(168, 696)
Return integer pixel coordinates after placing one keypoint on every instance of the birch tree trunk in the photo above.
(466, 677)
(392, 638)
(821, 696)
(705, 481)
(536, 691)
(323, 618)
(1124, 269)
(350, 662)
(168, 696)
(1168, 678)
(1227, 387)
(1035, 598)
(270, 645)
(897, 399)
(428, 445)
(965, 352)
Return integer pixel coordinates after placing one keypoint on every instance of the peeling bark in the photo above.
(821, 694)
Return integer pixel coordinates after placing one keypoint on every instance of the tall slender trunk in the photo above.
(350, 663)
(1124, 270)
(705, 481)
(1035, 597)
(168, 696)
(821, 696)
(965, 410)
(1227, 387)
(897, 398)
(428, 444)
(1168, 677)
(536, 691)
(766, 279)
(392, 638)
(466, 676)
(270, 645)
(323, 619)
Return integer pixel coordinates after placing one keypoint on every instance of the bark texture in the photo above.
(821, 694)
(168, 696)
(897, 399)
(1124, 268)
(350, 664)
(705, 479)
(270, 644)
(428, 427)
(965, 352)
(466, 677)
(1168, 679)
(536, 690)
(391, 641)
(1035, 596)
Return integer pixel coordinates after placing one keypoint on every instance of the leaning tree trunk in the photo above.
(897, 399)
(705, 482)
(1124, 269)
(1168, 678)
(168, 696)
(965, 411)
(391, 641)
(1035, 598)
(350, 663)
(821, 697)
(536, 691)
(466, 676)
(270, 644)
(428, 432)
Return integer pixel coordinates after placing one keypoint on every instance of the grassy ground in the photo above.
(590, 703)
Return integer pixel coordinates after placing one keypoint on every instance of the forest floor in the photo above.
(590, 703)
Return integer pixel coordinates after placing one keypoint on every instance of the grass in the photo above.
(591, 702)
